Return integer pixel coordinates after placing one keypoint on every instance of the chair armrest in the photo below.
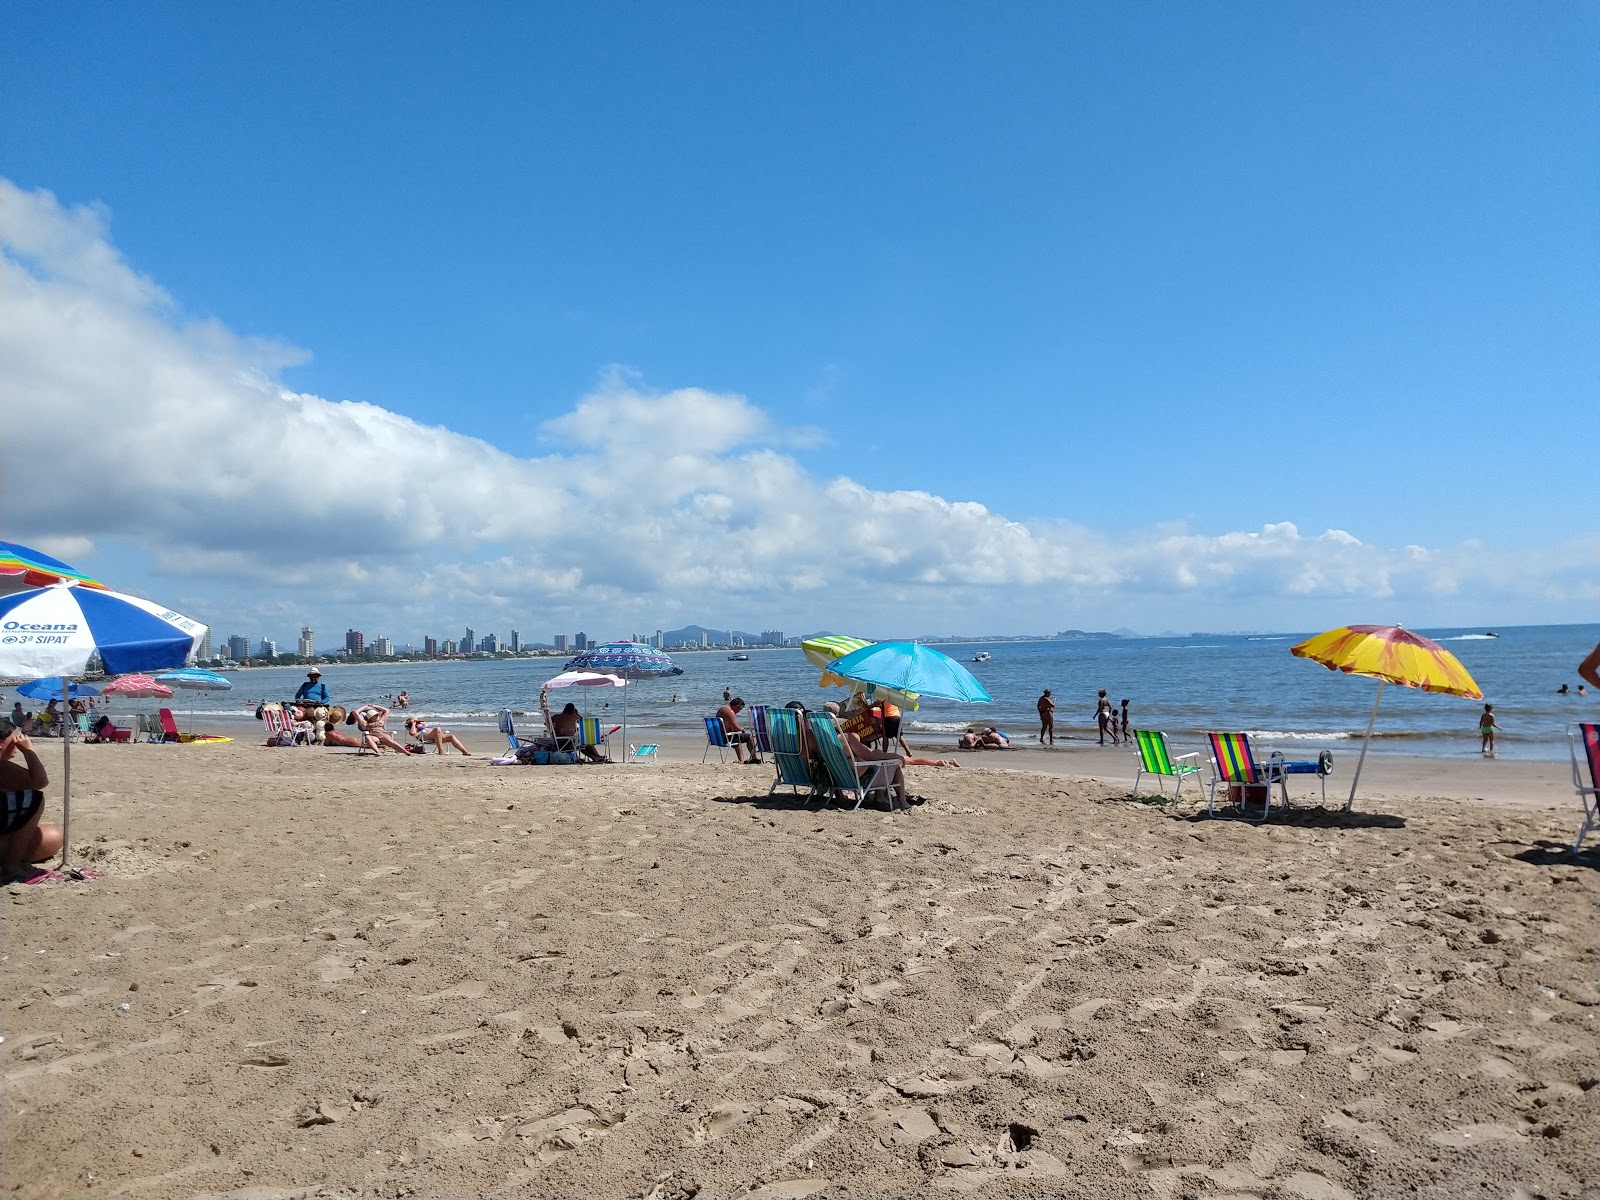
(1178, 758)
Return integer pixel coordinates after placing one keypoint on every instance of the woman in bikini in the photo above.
(440, 737)
(369, 719)
(23, 839)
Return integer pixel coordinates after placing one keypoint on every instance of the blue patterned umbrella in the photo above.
(631, 660)
(194, 679)
(50, 687)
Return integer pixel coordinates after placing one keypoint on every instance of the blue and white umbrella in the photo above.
(56, 630)
(630, 660)
(911, 667)
(49, 688)
(194, 679)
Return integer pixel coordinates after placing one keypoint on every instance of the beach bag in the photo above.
(563, 758)
(541, 758)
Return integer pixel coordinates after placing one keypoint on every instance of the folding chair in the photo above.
(644, 753)
(169, 726)
(845, 774)
(716, 739)
(509, 728)
(589, 734)
(1585, 775)
(789, 753)
(760, 731)
(1232, 763)
(1155, 759)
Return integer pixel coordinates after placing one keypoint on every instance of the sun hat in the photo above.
(313, 671)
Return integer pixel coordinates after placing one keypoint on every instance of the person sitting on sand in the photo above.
(983, 739)
(438, 735)
(23, 840)
(566, 724)
(740, 739)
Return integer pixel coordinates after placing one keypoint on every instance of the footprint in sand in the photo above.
(789, 1189)
(722, 1119)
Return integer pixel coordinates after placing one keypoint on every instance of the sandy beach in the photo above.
(306, 973)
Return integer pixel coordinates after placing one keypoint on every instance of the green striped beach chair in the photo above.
(590, 734)
(844, 773)
(1155, 759)
(789, 753)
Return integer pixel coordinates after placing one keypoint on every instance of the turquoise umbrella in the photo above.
(194, 679)
(910, 667)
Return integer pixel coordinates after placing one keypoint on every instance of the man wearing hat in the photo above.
(313, 691)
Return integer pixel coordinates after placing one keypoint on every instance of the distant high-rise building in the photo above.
(382, 647)
(469, 643)
(704, 640)
(307, 646)
(355, 642)
(488, 644)
(204, 649)
(269, 648)
(449, 647)
(238, 647)
(661, 641)
(430, 646)
(515, 645)
(580, 641)
(561, 643)
(772, 637)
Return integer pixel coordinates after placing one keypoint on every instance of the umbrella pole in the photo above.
(1372, 720)
(66, 773)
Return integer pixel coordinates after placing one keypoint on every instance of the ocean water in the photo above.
(1184, 685)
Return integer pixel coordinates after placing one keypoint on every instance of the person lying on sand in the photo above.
(23, 839)
(424, 732)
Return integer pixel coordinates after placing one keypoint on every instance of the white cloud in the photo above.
(656, 503)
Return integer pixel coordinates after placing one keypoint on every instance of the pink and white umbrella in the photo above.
(136, 687)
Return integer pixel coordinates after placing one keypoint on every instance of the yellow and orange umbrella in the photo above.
(1390, 655)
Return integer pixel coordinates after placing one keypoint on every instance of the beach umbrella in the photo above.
(137, 687)
(194, 679)
(22, 567)
(630, 660)
(824, 651)
(585, 679)
(913, 669)
(1390, 655)
(56, 630)
(50, 688)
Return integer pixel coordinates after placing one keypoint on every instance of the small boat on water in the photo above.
(738, 658)
(981, 656)
(1491, 635)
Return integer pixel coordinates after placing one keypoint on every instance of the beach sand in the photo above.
(348, 976)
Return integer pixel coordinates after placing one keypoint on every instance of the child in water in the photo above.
(1486, 728)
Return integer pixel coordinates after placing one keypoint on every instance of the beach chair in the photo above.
(844, 773)
(716, 739)
(283, 728)
(789, 753)
(590, 734)
(647, 752)
(760, 732)
(1583, 744)
(509, 728)
(1233, 764)
(1155, 759)
(147, 729)
(169, 727)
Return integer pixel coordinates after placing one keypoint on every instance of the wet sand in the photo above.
(438, 977)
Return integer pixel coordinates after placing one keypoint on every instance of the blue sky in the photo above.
(916, 317)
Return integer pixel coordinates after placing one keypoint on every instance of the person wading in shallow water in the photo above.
(1105, 718)
(1047, 718)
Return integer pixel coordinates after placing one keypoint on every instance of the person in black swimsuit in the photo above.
(23, 839)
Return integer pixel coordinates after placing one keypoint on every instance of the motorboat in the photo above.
(738, 658)
(981, 656)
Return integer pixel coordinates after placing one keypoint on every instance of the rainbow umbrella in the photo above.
(1390, 655)
(23, 567)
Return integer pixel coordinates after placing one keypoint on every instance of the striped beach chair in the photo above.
(590, 734)
(1583, 744)
(844, 773)
(760, 730)
(789, 753)
(1233, 764)
(716, 739)
(1156, 759)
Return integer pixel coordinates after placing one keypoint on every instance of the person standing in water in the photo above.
(1105, 718)
(1047, 718)
(1125, 732)
(1486, 728)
